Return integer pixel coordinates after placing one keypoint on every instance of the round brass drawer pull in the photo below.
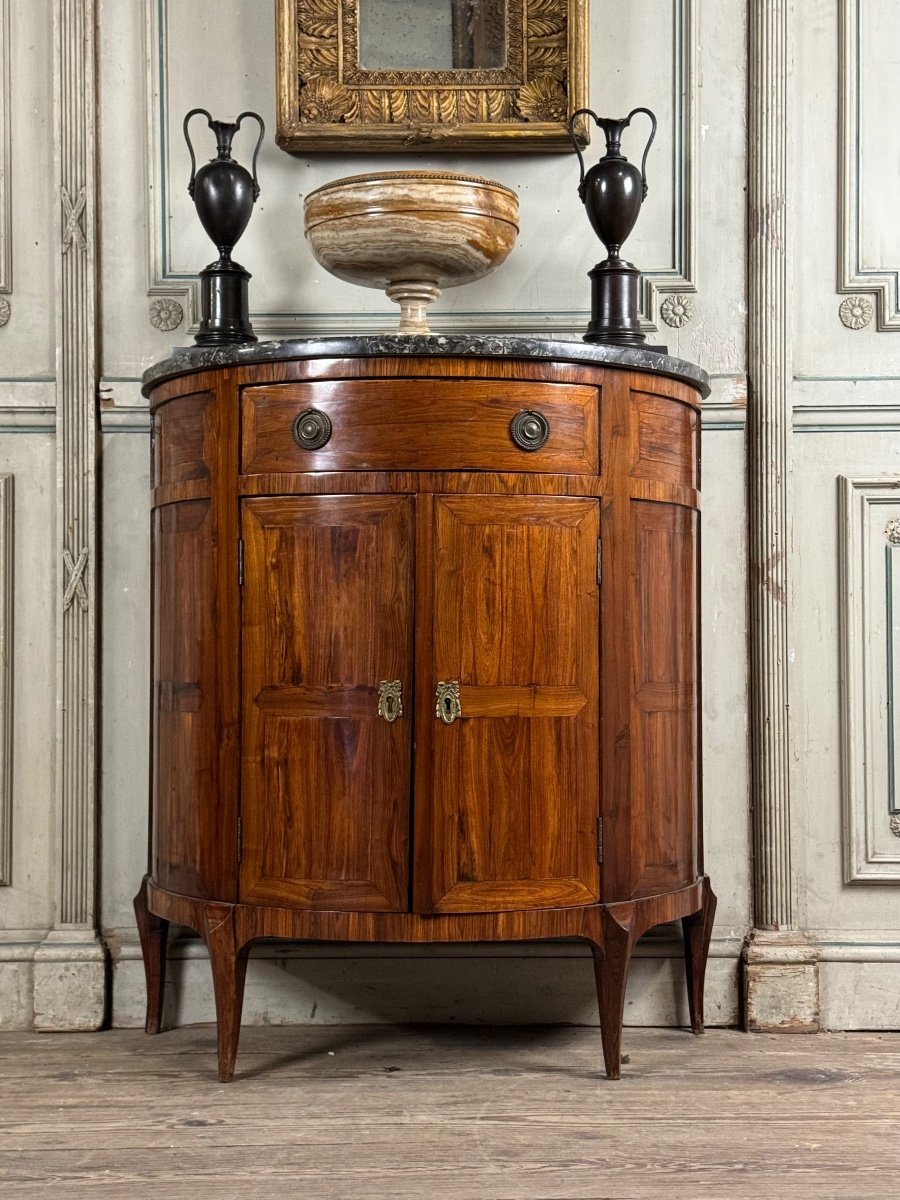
(312, 429)
(529, 429)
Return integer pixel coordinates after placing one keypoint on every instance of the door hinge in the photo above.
(240, 839)
(599, 562)
(599, 839)
(240, 562)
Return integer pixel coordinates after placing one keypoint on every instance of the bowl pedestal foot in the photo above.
(413, 296)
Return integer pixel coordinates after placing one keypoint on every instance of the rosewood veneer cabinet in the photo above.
(425, 653)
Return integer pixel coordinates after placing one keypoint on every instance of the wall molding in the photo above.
(6, 222)
(6, 679)
(681, 276)
(185, 290)
(883, 283)
(861, 418)
(869, 608)
(656, 283)
(125, 420)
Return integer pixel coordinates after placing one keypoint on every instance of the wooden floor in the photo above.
(450, 1113)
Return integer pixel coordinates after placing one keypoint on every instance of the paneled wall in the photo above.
(686, 60)
(27, 501)
(846, 453)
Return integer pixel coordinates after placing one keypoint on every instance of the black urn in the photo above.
(224, 193)
(612, 192)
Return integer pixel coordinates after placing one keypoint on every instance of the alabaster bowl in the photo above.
(411, 233)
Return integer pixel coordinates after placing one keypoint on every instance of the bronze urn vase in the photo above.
(612, 192)
(224, 193)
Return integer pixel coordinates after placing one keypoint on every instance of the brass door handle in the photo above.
(312, 429)
(390, 700)
(529, 429)
(447, 703)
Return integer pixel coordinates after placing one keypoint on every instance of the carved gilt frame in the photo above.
(327, 102)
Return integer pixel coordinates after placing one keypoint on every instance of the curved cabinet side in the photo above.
(649, 638)
(193, 758)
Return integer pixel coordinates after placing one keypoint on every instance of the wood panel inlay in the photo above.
(190, 841)
(665, 440)
(664, 733)
(181, 452)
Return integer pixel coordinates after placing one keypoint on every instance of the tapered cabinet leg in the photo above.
(154, 933)
(611, 973)
(697, 930)
(229, 970)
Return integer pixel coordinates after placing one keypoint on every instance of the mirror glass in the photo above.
(432, 35)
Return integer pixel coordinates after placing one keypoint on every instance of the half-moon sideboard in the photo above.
(425, 653)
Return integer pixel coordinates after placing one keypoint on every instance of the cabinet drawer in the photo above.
(419, 425)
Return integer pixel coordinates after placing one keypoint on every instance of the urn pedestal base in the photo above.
(225, 306)
(614, 305)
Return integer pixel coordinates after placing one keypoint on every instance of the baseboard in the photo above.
(53, 980)
(544, 983)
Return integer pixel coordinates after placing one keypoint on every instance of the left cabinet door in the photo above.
(326, 617)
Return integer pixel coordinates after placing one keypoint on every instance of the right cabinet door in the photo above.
(507, 781)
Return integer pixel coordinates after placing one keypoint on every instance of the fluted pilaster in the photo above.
(768, 434)
(69, 968)
(76, 458)
(781, 981)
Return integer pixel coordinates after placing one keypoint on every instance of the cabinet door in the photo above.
(507, 796)
(326, 616)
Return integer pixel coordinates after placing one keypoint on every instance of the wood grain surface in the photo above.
(420, 424)
(420, 545)
(455, 1113)
(327, 615)
(507, 798)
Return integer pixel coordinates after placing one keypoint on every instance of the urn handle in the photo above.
(193, 113)
(224, 131)
(262, 134)
(633, 112)
(613, 130)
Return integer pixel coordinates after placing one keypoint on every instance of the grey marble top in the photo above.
(200, 358)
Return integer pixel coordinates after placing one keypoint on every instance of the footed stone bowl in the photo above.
(411, 233)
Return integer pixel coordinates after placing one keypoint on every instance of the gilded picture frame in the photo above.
(326, 101)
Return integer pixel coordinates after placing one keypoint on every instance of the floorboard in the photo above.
(450, 1113)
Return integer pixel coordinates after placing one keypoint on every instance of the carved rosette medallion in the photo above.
(677, 311)
(856, 311)
(895, 824)
(542, 100)
(165, 314)
(892, 531)
(328, 101)
(5, 310)
(323, 101)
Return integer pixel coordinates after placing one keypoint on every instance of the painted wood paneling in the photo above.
(869, 536)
